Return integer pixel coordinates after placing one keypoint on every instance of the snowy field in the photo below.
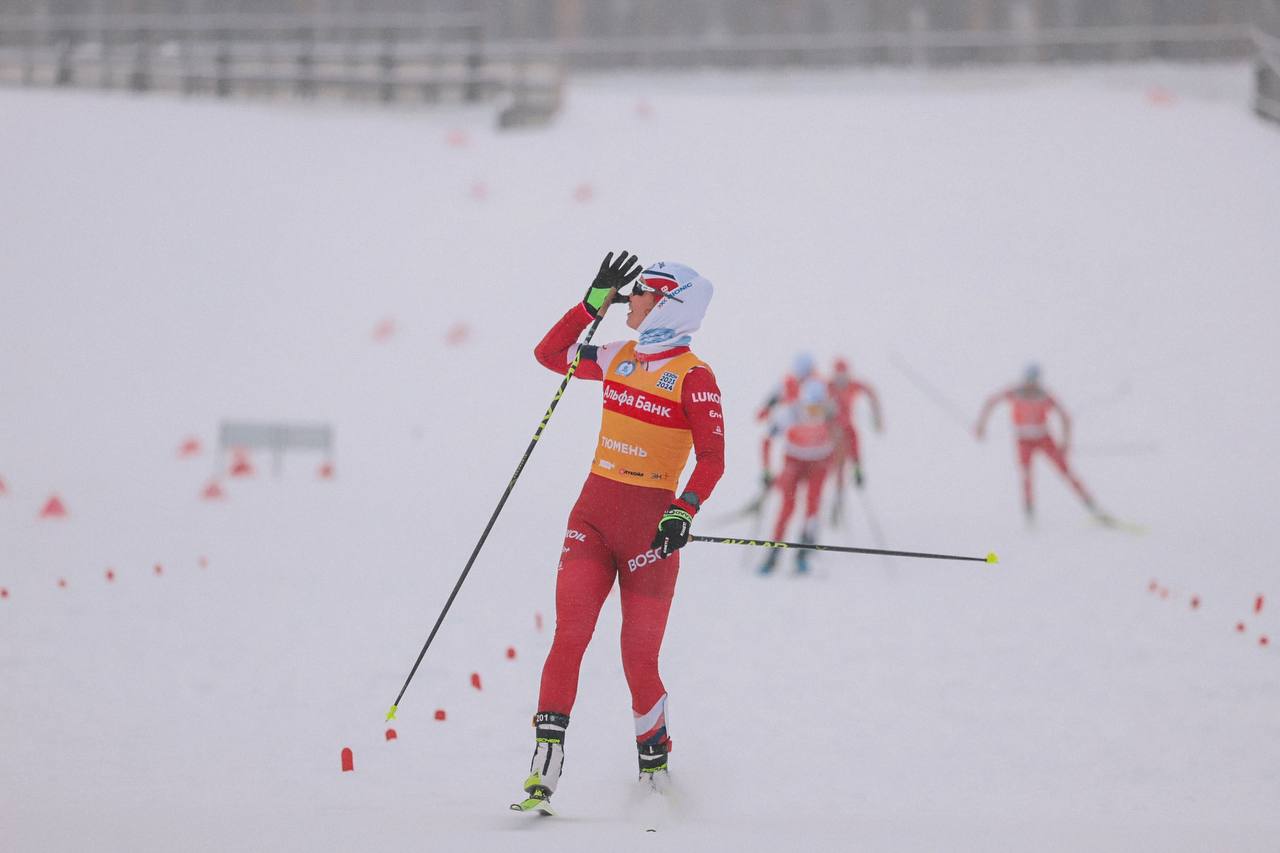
(170, 264)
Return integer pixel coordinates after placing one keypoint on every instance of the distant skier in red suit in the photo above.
(809, 430)
(845, 391)
(1031, 405)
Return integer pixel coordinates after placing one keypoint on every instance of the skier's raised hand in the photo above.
(614, 274)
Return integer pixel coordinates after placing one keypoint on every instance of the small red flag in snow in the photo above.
(475, 680)
(190, 447)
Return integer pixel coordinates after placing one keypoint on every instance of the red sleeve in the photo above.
(552, 352)
(701, 401)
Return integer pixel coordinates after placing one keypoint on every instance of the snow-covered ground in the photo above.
(166, 265)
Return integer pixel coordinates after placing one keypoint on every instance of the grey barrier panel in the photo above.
(274, 437)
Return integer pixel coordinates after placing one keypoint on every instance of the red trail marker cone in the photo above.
(440, 715)
(391, 734)
(475, 681)
(511, 652)
(111, 575)
(189, 448)
(241, 465)
(54, 508)
(348, 759)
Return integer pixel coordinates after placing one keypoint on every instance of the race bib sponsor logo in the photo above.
(626, 368)
(622, 447)
(576, 535)
(714, 413)
(667, 381)
(625, 399)
(605, 464)
(632, 473)
(704, 397)
(648, 558)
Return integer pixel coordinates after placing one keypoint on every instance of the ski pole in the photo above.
(939, 399)
(573, 368)
(770, 543)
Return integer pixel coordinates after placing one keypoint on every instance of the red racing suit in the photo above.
(810, 444)
(656, 409)
(845, 391)
(1030, 409)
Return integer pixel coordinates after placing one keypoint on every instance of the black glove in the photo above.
(673, 530)
(766, 480)
(613, 274)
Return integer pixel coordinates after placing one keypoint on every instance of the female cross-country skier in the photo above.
(1030, 407)
(660, 402)
(810, 432)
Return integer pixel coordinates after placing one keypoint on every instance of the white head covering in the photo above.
(672, 324)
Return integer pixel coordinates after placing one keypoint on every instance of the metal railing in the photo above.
(1266, 39)
(387, 58)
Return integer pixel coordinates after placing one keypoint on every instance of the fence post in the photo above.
(140, 76)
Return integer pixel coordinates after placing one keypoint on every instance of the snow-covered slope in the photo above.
(167, 265)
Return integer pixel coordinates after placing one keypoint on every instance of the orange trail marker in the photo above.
(391, 734)
(475, 680)
(190, 447)
(62, 583)
(213, 491)
(326, 471)
(440, 715)
(159, 570)
(348, 759)
(1239, 627)
(1257, 604)
(511, 652)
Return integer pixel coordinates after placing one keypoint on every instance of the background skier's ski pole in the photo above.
(573, 368)
(926, 387)
(770, 543)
